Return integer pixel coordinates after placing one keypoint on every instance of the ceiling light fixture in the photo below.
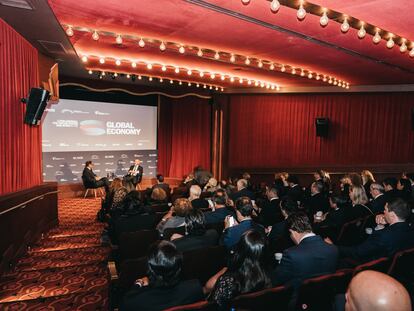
(362, 32)
(324, 20)
(95, 36)
(69, 31)
(301, 13)
(390, 42)
(376, 38)
(274, 6)
(162, 47)
(345, 25)
(141, 43)
(118, 39)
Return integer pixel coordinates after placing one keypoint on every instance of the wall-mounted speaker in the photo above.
(36, 103)
(322, 127)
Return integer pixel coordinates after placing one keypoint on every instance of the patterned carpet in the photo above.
(66, 270)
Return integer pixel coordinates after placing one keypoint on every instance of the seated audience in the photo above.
(134, 217)
(378, 201)
(242, 191)
(397, 236)
(345, 184)
(323, 177)
(376, 291)
(161, 184)
(367, 180)
(196, 234)
(164, 287)
(211, 185)
(310, 257)
(176, 216)
(410, 177)
(390, 188)
(113, 198)
(295, 192)
(221, 208)
(335, 218)
(158, 196)
(404, 189)
(358, 207)
(246, 271)
(281, 184)
(318, 200)
(270, 210)
(194, 198)
(243, 222)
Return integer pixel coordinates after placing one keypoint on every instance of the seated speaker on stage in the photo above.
(90, 180)
(135, 173)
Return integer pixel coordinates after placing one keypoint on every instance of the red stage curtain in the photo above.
(21, 149)
(279, 130)
(184, 135)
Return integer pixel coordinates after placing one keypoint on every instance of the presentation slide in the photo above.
(109, 134)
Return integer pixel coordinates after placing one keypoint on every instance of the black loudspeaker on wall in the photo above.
(36, 103)
(322, 127)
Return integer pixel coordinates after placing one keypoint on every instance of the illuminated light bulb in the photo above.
(103, 73)
(302, 73)
(249, 82)
(324, 20)
(272, 87)
(390, 42)
(181, 50)
(139, 77)
(197, 85)
(90, 72)
(212, 76)
(118, 39)
(278, 88)
(84, 58)
(117, 62)
(241, 80)
(335, 82)
(310, 76)
(268, 86)
(347, 87)
(95, 36)
(318, 77)
(128, 76)
(330, 81)
(134, 64)
(339, 84)
(262, 84)
(171, 81)
(272, 66)
(210, 87)
(222, 89)
(274, 6)
(141, 43)
(161, 80)
(403, 47)
(247, 61)
(189, 72)
(345, 25)
(163, 68)
(102, 60)
(376, 38)
(199, 53)
(149, 66)
(232, 79)
(162, 46)
(293, 71)
(201, 74)
(189, 83)
(411, 52)
(180, 83)
(216, 88)
(204, 86)
(245, 2)
(177, 70)
(301, 14)
(232, 58)
(115, 75)
(324, 79)
(362, 32)
(150, 78)
(223, 77)
(69, 31)
(256, 83)
(283, 69)
(260, 64)
(217, 55)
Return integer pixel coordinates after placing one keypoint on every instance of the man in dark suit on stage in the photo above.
(135, 173)
(90, 180)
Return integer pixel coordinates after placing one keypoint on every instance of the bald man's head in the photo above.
(375, 291)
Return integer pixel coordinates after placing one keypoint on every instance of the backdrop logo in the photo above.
(94, 157)
(92, 127)
(124, 156)
(57, 159)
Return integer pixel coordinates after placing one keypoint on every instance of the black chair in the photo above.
(136, 244)
(276, 298)
(319, 293)
(402, 270)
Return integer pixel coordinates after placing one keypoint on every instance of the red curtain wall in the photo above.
(279, 130)
(21, 149)
(184, 135)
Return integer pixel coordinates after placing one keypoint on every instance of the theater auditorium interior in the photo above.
(207, 155)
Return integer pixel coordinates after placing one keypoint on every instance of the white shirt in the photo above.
(307, 235)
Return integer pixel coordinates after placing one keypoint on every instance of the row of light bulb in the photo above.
(189, 72)
(217, 55)
(324, 20)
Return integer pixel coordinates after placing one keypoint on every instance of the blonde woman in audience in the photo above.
(358, 208)
(367, 180)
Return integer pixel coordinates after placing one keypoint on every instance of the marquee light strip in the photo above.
(347, 21)
(210, 76)
(206, 53)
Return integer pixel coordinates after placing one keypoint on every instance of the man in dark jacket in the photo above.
(90, 180)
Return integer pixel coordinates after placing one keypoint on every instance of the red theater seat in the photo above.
(380, 265)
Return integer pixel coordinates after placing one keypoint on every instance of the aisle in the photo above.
(66, 270)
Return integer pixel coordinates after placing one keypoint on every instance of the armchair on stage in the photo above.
(88, 188)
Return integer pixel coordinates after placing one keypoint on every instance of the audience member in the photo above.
(221, 208)
(345, 184)
(311, 256)
(270, 210)
(176, 216)
(234, 228)
(161, 184)
(158, 196)
(378, 198)
(390, 188)
(376, 291)
(358, 207)
(367, 180)
(196, 234)
(318, 200)
(323, 177)
(194, 198)
(335, 218)
(211, 185)
(114, 198)
(404, 189)
(242, 191)
(164, 287)
(295, 192)
(281, 183)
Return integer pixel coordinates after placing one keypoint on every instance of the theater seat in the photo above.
(201, 306)
(352, 233)
(380, 265)
(318, 293)
(136, 244)
(401, 269)
(276, 298)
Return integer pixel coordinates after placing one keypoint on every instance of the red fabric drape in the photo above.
(21, 149)
(184, 135)
(279, 130)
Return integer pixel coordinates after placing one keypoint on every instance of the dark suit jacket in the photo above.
(242, 193)
(311, 257)
(270, 213)
(233, 234)
(156, 299)
(317, 202)
(353, 212)
(138, 177)
(382, 243)
(392, 194)
(88, 178)
(191, 242)
(377, 205)
(199, 203)
(218, 215)
(295, 193)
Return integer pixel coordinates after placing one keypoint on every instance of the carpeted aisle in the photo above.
(66, 270)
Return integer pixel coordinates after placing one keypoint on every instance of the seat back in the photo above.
(351, 233)
(277, 298)
(160, 208)
(218, 226)
(319, 293)
(167, 233)
(200, 306)
(136, 244)
(380, 265)
(401, 268)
